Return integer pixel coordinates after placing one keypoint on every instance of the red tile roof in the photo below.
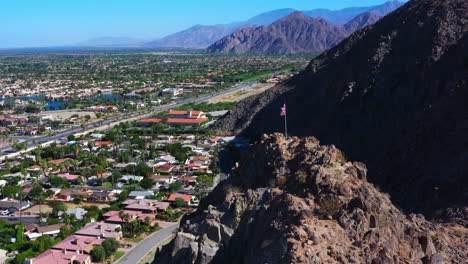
(103, 143)
(151, 120)
(58, 161)
(58, 257)
(186, 120)
(174, 196)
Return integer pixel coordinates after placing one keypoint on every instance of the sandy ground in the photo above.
(244, 93)
(36, 209)
(66, 114)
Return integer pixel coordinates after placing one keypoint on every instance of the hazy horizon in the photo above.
(52, 23)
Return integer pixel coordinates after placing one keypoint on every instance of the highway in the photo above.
(33, 142)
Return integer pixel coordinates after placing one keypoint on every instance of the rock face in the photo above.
(296, 201)
(292, 34)
(392, 95)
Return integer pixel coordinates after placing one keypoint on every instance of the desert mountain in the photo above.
(294, 33)
(205, 35)
(194, 37)
(292, 200)
(392, 95)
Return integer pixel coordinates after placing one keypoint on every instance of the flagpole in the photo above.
(285, 123)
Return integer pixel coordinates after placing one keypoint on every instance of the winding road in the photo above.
(137, 253)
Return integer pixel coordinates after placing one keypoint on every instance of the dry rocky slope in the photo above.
(392, 95)
(292, 200)
(292, 34)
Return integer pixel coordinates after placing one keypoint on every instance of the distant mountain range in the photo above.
(203, 36)
(292, 34)
(110, 42)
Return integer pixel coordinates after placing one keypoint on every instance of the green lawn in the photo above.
(118, 255)
(107, 184)
(136, 240)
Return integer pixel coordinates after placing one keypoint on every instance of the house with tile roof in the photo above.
(145, 205)
(101, 230)
(78, 244)
(53, 256)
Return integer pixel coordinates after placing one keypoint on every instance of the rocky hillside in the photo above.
(296, 201)
(392, 95)
(292, 34)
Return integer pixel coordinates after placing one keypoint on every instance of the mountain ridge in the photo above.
(398, 105)
(264, 19)
(292, 34)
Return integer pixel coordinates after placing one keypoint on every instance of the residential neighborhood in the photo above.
(119, 186)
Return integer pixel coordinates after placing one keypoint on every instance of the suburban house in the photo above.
(187, 180)
(73, 179)
(71, 194)
(127, 179)
(166, 158)
(58, 256)
(101, 230)
(172, 91)
(80, 213)
(145, 205)
(139, 194)
(13, 205)
(166, 167)
(189, 199)
(150, 121)
(186, 114)
(200, 160)
(186, 117)
(102, 197)
(102, 143)
(163, 180)
(78, 244)
(114, 217)
(34, 231)
(57, 162)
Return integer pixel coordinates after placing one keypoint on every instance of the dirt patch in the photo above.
(244, 93)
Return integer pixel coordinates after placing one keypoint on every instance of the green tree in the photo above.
(98, 254)
(142, 169)
(175, 187)
(146, 184)
(179, 202)
(110, 245)
(204, 182)
(36, 191)
(57, 206)
(56, 181)
(11, 191)
(43, 243)
(123, 196)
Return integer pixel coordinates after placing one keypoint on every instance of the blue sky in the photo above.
(38, 23)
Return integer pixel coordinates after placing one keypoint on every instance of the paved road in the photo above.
(144, 247)
(34, 142)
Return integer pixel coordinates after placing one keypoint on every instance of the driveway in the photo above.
(144, 247)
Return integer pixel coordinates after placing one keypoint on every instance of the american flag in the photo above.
(283, 110)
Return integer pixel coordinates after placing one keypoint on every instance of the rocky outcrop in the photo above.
(292, 34)
(392, 95)
(292, 200)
